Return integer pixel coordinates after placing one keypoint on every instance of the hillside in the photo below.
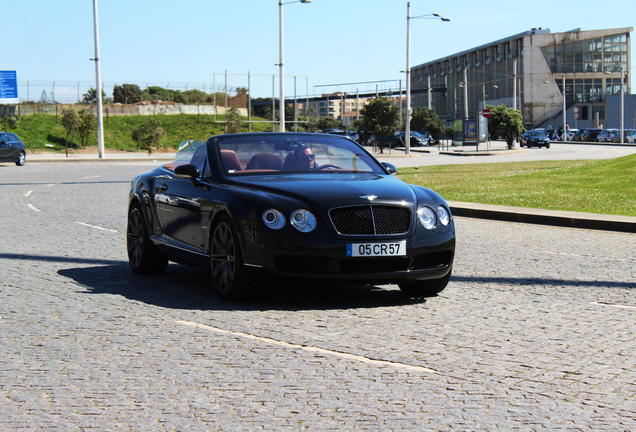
(40, 129)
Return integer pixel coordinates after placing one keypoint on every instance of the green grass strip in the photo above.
(599, 186)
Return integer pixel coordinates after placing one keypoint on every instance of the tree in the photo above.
(233, 120)
(70, 121)
(426, 120)
(381, 117)
(148, 133)
(506, 123)
(329, 123)
(11, 121)
(90, 97)
(87, 123)
(127, 93)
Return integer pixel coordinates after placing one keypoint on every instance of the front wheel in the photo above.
(21, 159)
(226, 262)
(426, 288)
(143, 255)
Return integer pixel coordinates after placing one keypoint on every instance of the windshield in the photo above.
(536, 133)
(256, 154)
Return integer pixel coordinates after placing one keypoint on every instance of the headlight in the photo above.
(303, 220)
(427, 217)
(443, 215)
(273, 219)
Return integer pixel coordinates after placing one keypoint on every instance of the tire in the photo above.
(426, 288)
(21, 159)
(143, 255)
(547, 146)
(226, 262)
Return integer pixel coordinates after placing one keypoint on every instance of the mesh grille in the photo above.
(371, 220)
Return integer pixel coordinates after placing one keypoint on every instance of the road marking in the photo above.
(613, 305)
(96, 227)
(32, 207)
(28, 193)
(90, 177)
(310, 348)
(49, 185)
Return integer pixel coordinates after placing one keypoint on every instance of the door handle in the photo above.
(163, 187)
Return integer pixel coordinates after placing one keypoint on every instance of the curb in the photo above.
(566, 219)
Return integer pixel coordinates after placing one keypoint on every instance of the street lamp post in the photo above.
(622, 105)
(280, 65)
(98, 85)
(565, 135)
(407, 135)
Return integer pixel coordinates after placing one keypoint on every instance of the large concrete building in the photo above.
(527, 71)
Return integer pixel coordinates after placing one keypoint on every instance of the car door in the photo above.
(5, 146)
(178, 203)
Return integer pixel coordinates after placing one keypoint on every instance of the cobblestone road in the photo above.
(536, 331)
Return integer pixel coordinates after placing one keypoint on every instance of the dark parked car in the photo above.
(289, 206)
(417, 139)
(535, 138)
(12, 149)
(591, 134)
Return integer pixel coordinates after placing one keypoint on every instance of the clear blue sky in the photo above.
(159, 42)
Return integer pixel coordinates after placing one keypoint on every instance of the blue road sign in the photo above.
(8, 85)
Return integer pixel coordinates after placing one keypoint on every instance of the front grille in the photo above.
(371, 220)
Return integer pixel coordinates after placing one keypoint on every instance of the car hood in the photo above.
(334, 190)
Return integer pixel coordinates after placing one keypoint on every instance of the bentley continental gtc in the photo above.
(285, 207)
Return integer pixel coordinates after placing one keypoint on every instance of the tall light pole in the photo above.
(98, 78)
(407, 135)
(622, 105)
(565, 135)
(281, 65)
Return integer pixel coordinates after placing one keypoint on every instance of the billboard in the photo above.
(8, 87)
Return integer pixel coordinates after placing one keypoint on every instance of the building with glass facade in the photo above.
(528, 71)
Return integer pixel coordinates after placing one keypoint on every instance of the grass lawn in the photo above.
(601, 186)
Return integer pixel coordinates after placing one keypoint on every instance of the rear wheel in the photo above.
(226, 259)
(143, 255)
(426, 288)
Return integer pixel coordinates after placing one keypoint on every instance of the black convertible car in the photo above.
(269, 206)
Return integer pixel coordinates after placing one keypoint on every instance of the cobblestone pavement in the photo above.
(536, 331)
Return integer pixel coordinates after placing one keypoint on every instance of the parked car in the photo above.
(617, 138)
(591, 134)
(417, 139)
(631, 138)
(535, 138)
(572, 133)
(289, 206)
(607, 135)
(12, 149)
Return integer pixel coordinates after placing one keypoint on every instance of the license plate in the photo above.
(376, 249)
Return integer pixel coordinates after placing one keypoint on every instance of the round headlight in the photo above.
(426, 216)
(303, 220)
(443, 215)
(273, 219)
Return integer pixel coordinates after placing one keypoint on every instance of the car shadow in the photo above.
(181, 287)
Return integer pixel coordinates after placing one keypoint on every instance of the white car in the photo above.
(631, 137)
(607, 135)
(571, 134)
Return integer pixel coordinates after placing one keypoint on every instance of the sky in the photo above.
(327, 43)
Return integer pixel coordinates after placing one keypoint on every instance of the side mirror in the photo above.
(187, 171)
(389, 167)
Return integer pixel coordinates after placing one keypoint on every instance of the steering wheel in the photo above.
(322, 167)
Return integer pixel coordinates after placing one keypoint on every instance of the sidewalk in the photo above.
(482, 211)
